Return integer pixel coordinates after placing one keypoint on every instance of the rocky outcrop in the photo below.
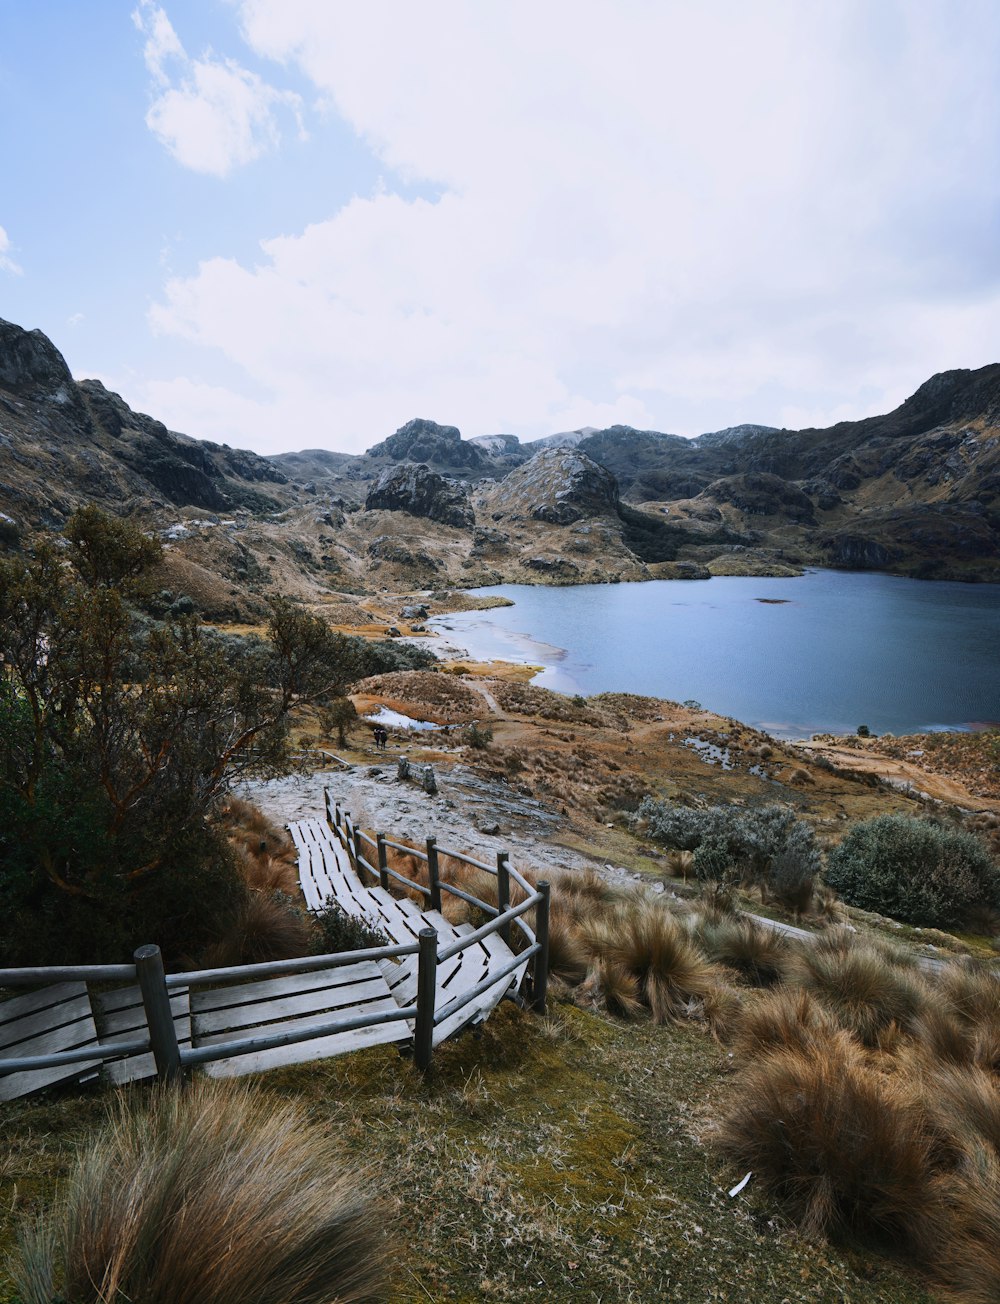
(418, 490)
(438, 446)
(760, 494)
(558, 486)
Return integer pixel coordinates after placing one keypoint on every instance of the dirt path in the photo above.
(904, 775)
(487, 696)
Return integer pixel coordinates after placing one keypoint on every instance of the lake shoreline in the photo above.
(858, 653)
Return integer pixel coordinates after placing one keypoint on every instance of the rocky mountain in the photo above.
(64, 444)
(419, 491)
(916, 491)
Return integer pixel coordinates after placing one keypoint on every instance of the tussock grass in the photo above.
(210, 1194)
(611, 988)
(264, 928)
(867, 994)
(645, 940)
(760, 955)
(963, 1110)
(783, 1020)
(835, 1141)
(967, 1261)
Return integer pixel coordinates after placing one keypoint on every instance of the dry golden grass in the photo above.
(783, 1020)
(760, 955)
(609, 987)
(645, 940)
(967, 1258)
(835, 1141)
(264, 928)
(868, 994)
(210, 1194)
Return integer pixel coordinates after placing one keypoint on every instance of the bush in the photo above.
(478, 736)
(211, 1194)
(914, 871)
(339, 931)
(767, 847)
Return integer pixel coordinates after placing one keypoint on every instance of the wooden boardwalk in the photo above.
(325, 872)
(128, 1022)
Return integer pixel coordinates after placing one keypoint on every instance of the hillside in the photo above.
(916, 491)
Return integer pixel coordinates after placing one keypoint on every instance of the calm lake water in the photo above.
(821, 653)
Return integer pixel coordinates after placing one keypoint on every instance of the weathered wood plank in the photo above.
(302, 1052)
(120, 1012)
(58, 1018)
(208, 1022)
(213, 998)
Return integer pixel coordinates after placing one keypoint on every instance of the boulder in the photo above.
(559, 486)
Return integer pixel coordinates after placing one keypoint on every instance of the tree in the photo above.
(118, 734)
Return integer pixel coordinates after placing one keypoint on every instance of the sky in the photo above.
(286, 224)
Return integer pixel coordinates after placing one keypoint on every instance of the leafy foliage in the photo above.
(915, 871)
(117, 736)
(767, 847)
(339, 931)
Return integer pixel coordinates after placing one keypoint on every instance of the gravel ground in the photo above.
(464, 807)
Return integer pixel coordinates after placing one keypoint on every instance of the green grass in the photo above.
(560, 1160)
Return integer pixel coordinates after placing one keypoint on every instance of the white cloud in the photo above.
(211, 114)
(7, 264)
(665, 215)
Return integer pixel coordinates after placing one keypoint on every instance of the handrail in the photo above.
(63, 973)
(470, 939)
(306, 964)
(156, 987)
(504, 914)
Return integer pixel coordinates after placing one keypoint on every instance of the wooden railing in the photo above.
(173, 1057)
(535, 945)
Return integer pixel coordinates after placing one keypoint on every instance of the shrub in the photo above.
(338, 931)
(767, 847)
(915, 871)
(211, 1194)
(478, 736)
(834, 1141)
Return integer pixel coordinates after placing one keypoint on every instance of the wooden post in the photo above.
(383, 862)
(159, 1016)
(336, 816)
(352, 850)
(540, 963)
(432, 873)
(423, 1032)
(503, 891)
(326, 806)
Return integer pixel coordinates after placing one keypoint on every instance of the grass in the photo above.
(557, 1160)
(835, 1141)
(213, 1194)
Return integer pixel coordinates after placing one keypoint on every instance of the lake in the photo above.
(820, 653)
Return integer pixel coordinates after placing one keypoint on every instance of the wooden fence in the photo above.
(133, 1021)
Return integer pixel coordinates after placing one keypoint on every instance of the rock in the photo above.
(491, 830)
(559, 486)
(413, 613)
(428, 781)
(419, 491)
(559, 566)
(421, 440)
